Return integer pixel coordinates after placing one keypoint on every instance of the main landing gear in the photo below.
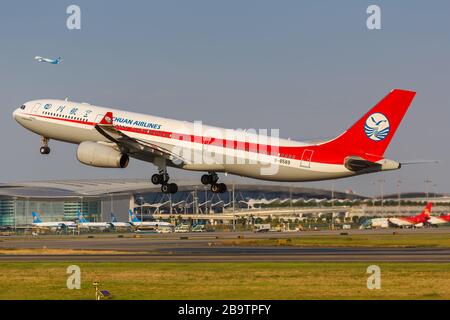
(212, 178)
(162, 178)
(45, 149)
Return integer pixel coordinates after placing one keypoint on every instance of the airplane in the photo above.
(138, 223)
(37, 222)
(375, 223)
(108, 137)
(51, 61)
(117, 224)
(414, 221)
(436, 220)
(83, 223)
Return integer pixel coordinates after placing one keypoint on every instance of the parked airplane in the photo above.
(51, 61)
(108, 137)
(138, 223)
(117, 224)
(375, 223)
(414, 221)
(83, 223)
(442, 219)
(52, 224)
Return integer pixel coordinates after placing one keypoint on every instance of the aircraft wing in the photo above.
(132, 146)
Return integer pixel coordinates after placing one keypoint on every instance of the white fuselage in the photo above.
(434, 220)
(121, 224)
(94, 225)
(75, 123)
(65, 224)
(152, 224)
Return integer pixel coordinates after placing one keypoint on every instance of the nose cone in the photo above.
(15, 113)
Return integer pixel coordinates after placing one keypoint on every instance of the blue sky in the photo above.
(310, 68)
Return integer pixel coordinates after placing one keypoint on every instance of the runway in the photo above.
(252, 255)
(206, 247)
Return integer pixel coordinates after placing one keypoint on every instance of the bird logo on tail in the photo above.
(377, 127)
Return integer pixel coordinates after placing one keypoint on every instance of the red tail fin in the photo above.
(373, 132)
(427, 210)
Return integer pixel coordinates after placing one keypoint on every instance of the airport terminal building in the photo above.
(60, 200)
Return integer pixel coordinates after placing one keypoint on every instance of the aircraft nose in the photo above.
(15, 113)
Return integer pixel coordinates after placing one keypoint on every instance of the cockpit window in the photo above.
(22, 107)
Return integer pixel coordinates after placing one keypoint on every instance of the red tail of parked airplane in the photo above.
(421, 218)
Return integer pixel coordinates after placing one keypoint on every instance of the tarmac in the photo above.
(202, 247)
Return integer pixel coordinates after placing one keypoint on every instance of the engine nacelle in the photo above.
(99, 155)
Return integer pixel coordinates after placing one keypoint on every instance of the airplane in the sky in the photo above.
(37, 222)
(414, 221)
(51, 61)
(84, 223)
(108, 137)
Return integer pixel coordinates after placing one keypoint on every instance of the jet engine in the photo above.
(99, 155)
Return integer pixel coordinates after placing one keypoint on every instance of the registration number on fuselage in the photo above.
(282, 161)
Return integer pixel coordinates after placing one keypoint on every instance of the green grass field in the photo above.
(438, 240)
(226, 281)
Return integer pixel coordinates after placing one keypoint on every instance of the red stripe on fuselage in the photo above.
(319, 154)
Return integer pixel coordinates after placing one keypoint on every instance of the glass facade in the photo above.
(17, 212)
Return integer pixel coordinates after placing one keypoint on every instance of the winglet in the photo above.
(107, 119)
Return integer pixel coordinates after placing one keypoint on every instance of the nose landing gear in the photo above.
(45, 149)
(212, 179)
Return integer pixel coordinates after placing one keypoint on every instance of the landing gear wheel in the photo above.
(211, 178)
(44, 150)
(205, 179)
(169, 188)
(215, 188)
(156, 179)
(219, 188)
(173, 188)
(214, 178)
(161, 178)
(165, 188)
(222, 187)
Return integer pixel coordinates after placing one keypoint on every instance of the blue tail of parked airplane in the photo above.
(133, 217)
(113, 217)
(81, 219)
(36, 217)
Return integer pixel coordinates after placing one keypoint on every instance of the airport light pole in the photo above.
(27, 209)
(332, 194)
(374, 198)
(399, 182)
(112, 202)
(80, 205)
(382, 181)
(196, 207)
(427, 181)
(141, 199)
(206, 200)
(290, 196)
(15, 214)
